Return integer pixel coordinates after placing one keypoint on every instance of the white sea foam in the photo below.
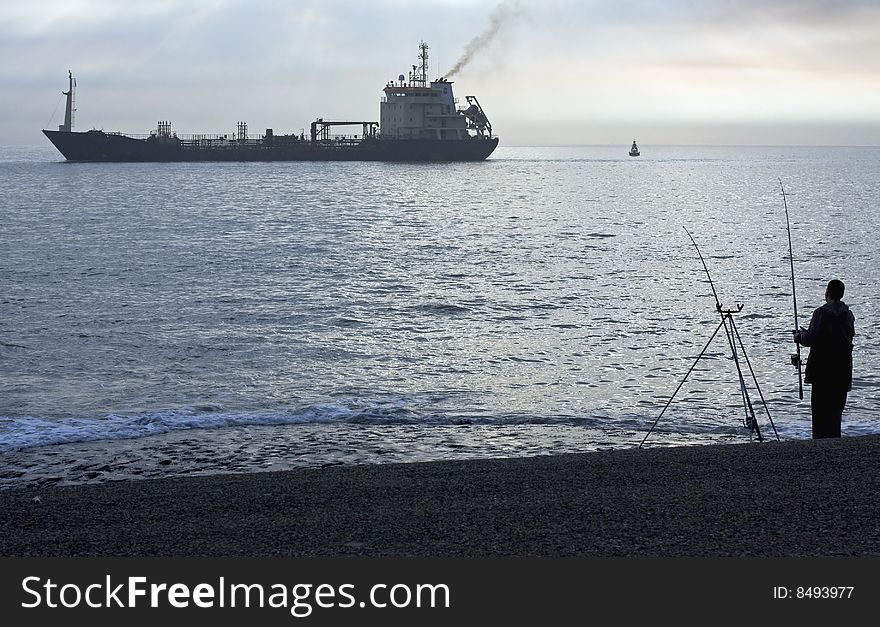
(17, 433)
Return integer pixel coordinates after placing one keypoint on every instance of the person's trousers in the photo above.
(827, 403)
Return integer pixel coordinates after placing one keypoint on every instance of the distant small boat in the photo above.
(634, 151)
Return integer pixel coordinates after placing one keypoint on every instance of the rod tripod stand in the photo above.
(733, 340)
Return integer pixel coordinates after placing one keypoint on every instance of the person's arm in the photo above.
(806, 337)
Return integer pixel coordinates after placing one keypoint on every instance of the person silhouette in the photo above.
(829, 365)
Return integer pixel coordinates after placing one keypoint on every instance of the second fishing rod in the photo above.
(796, 357)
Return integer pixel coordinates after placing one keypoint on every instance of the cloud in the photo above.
(809, 35)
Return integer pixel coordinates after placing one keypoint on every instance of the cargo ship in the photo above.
(418, 121)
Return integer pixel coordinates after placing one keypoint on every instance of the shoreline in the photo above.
(261, 448)
(797, 498)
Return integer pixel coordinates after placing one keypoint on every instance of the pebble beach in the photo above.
(774, 499)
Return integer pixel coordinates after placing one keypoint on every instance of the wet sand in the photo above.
(796, 498)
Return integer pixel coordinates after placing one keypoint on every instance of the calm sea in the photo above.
(167, 319)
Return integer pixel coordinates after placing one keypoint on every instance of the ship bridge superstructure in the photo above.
(414, 108)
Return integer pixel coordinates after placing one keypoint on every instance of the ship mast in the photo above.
(419, 75)
(70, 109)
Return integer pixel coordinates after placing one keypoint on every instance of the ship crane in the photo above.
(477, 116)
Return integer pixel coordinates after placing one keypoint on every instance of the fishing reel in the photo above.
(796, 360)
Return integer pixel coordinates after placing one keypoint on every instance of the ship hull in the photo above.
(110, 147)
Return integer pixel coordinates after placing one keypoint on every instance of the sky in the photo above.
(552, 72)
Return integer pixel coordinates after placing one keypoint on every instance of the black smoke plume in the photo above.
(502, 15)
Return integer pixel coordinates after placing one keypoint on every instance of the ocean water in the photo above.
(171, 319)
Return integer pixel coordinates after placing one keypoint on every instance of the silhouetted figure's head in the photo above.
(834, 291)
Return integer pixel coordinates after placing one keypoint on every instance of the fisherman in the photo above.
(829, 366)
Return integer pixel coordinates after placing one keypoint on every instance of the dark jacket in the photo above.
(830, 338)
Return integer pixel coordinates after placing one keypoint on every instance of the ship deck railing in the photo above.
(221, 143)
(129, 135)
(199, 141)
(194, 137)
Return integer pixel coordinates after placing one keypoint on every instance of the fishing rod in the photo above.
(796, 358)
(706, 268)
(750, 421)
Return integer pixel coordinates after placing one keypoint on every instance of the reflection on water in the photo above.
(547, 290)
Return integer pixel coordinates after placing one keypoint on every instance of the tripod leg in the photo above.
(755, 379)
(694, 365)
(751, 421)
(746, 401)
